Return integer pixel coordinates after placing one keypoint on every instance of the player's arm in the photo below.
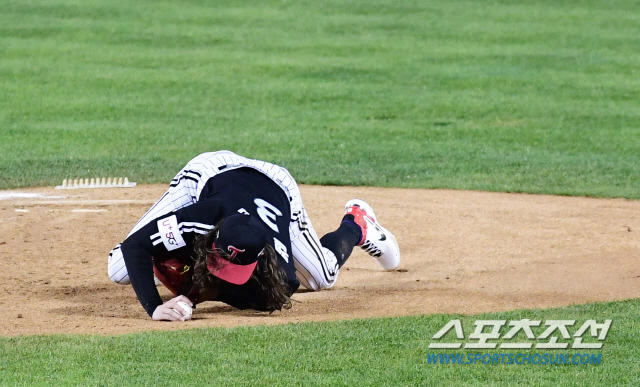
(137, 255)
(160, 236)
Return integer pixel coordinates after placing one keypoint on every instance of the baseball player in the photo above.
(234, 229)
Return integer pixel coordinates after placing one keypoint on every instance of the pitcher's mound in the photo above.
(462, 252)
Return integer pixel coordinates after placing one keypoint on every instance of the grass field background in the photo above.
(521, 96)
(526, 96)
(372, 352)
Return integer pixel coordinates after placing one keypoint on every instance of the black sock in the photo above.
(342, 241)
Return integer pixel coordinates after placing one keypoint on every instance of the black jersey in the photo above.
(244, 190)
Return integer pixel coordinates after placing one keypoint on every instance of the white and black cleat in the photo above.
(376, 240)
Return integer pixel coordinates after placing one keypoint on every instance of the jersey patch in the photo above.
(170, 233)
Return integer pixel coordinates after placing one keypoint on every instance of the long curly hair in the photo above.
(266, 290)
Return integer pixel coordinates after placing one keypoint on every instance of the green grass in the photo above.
(521, 96)
(524, 96)
(380, 352)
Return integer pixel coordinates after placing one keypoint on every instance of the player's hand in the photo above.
(170, 310)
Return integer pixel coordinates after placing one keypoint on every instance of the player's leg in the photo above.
(116, 267)
(319, 260)
(342, 241)
(316, 266)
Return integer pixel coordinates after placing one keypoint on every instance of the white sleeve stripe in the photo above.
(196, 224)
(196, 230)
(200, 228)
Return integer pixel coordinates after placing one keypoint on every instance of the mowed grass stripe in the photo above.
(502, 96)
(387, 351)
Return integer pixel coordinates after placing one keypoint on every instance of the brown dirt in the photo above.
(462, 252)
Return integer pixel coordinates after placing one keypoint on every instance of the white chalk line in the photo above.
(98, 202)
(24, 195)
(74, 210)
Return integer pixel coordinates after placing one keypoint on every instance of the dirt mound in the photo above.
(463, 252)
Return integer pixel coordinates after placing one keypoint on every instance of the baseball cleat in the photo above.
(376, 240)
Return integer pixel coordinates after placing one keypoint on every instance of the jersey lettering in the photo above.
(268, 213)
(281, 249)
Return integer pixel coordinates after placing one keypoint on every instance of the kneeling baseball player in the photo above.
(233, 229)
